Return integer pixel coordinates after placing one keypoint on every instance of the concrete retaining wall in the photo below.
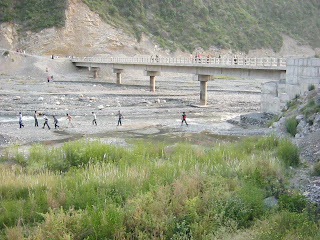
(300, 74)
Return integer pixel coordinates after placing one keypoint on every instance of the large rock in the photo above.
(271, 202)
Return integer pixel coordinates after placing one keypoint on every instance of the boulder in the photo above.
(300, 117)
(40, 98)
(100, 107)
(270, 202)
(16, 98)
(302, 124)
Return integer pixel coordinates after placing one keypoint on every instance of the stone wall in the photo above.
(300, 74)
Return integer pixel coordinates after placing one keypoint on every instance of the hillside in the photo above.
(186, 24)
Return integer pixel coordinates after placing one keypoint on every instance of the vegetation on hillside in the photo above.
(240, 25)
(187, 24)
(89, 190)
(33, 14)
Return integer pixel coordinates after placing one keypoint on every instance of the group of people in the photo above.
(156, 59)
(46, 120)
(69, 119)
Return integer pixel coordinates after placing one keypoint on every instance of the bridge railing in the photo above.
(265, 62)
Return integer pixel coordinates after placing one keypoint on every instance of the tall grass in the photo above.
(89, 190)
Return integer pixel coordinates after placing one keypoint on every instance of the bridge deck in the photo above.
(244, 63)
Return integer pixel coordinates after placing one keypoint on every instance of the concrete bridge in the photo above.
(205, 69)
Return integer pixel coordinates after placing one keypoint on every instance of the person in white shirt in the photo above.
(94, 121)
(45, 122)
(20, 120)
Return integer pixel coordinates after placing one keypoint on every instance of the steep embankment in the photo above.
(70, 27)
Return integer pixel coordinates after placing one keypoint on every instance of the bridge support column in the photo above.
(152, 75)
(118, 72)
(152, 83)
(203, 79)
(95, 71)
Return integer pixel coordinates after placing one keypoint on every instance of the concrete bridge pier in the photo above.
(203, 79)
(152, 75)
(95, 72)
(118, 72)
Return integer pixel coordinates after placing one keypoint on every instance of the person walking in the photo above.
(45, 122)
(120, 117)
(184, 118)
(35, 115)
(55, 121)
(69, 118)
(94, 121)
(20, 120)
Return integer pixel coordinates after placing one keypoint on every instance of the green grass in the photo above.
(291, 126)
(90, 190)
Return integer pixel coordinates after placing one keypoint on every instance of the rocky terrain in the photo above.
(305, 110)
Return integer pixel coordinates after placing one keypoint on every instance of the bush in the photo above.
(6, 53)
(311, 87)
(316, 169)
(291, 126)
(292, 203)
(288, 153)
(289, 226)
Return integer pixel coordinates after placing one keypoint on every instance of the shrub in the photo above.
(311, 87)
(291, 126)
(288, 153)
(6, 53)
(289, 226)
(292, 203)
(316, 169)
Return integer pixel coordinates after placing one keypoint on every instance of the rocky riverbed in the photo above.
(75, 91)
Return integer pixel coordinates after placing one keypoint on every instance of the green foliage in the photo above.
(147, 191)
(290, 226)
(291, 126)
(33, 14)
(6, 53)
(316, 169)
(311, 107)
(294, 203)
(190, 24)
(288, 153)
(311, 87)
(186, 24)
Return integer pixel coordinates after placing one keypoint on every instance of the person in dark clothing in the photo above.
(35, 115)
(55, 120)
(184, 118)
(46, 122)
(20, 120)
(120, 117)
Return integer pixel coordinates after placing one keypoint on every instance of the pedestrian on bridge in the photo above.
(184, 118)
